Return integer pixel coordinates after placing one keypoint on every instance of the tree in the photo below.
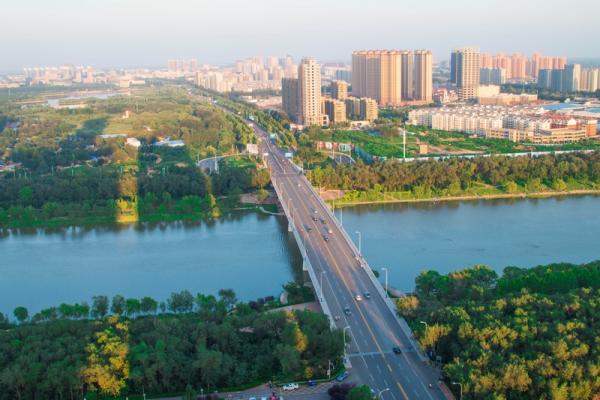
(228, 298)
(132, 307)
(190, 393)
(181, 302)
(362, 392)
(339, 391)
(99, 306)
(21, 314)
(118, 304)
(148, 305)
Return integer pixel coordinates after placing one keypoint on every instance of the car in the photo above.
(322, 220)
(347, 310)
(314, 211)
(330, 230)
(367, 295)
(358, 297)
(326, 238)
(290, 386)
(342, 377)
(314, 218)
(397, 350)
(312, 383)
(252, 398)
(308, 228)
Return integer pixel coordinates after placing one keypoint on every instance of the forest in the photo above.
(528, 334)
(130, 346)
(457, 176)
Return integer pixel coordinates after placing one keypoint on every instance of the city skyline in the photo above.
(144, 34)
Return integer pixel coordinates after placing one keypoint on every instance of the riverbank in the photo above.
(391, 199)
(29, 218)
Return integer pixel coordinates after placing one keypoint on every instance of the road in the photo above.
(372, 327)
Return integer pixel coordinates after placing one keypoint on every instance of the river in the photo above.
(254, 254)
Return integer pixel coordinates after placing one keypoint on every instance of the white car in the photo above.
(358, 297)
(290, 386)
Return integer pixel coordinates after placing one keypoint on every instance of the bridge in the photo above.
(339, 273)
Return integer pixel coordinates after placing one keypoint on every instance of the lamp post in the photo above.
(460, 387)
(382, 392)
(359, 243)
(386, 281)
(424, 323)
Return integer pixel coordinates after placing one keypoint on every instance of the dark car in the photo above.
(308, 228)
(315, 218)
(347, 310)
(397, 350)
(326, 238)
(312, 383)
(367, 295)
(342, 377)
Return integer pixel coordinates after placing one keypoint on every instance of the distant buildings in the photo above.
(572, 78)
(529, 124)
(335, 110)
(492, 76)
(301, 97)
(517, 67)
(182, 66)
(368, 109)
(339, 90)
(467, 69)
(392, 77)
(290, 97)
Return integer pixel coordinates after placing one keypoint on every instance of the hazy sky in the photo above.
(148, 32)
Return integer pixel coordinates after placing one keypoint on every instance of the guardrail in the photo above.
(387, 300)
(305, 259)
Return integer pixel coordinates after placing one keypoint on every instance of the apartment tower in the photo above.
(423, 76)
(290, 97)
(378, 74)
(309, 92)
(467, 73)
(339, 90)
(408, 68)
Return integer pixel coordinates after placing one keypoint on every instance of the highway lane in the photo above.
(373, 328)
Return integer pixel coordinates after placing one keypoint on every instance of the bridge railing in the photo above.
(376, 283)
(304, 253)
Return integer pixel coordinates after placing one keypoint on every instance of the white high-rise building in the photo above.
(467, 73)
(309, 91)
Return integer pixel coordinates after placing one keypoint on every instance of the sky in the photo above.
(128, 33)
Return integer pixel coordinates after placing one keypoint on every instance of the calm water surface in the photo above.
(447, 236)
(250, 253)
(255, 255)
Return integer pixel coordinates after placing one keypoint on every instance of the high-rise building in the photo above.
(335, 110)
(352, 107)
(309, 90)
(368, 109)
(339, 90)
(589, 80)
(572, 78)
(408, 79)
(423, 76)
(453, 67)
(492, 76)
(378, 74)
(290, 97)
(467, 73)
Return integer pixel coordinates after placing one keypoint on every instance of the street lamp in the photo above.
(460, 386)
(386, 281)
(424, 323)
(322, 273)
(359, 243)
(382, 392)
